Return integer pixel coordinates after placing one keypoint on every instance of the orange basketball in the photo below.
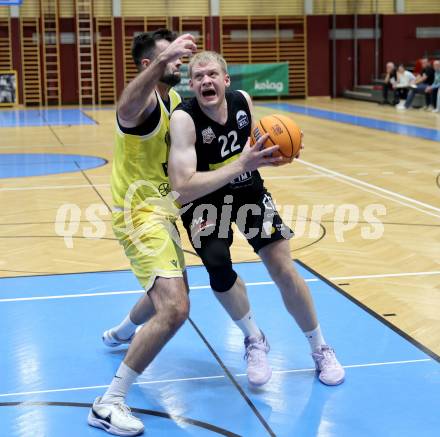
(282, 131)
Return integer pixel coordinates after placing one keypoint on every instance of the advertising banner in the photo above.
(257, 79)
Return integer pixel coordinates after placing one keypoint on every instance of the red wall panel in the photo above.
(399, 42)
(344, 65)
(366, 49)
(16, 55)
(119, 56)
(318, 55)
(69, 65)
(366, 61)
(212, 26)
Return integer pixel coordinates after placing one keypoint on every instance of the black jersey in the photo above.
(217, 145)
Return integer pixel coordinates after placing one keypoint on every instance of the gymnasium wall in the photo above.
(398, 39)
(318, 55)
(69, 65)
(309, 46)
(398, 43)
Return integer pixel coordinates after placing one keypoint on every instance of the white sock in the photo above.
(248, 326)
(315, 338)
(120, 385)
(125, 329)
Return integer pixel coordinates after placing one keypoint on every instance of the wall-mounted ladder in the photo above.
(5, 44)
(84, 45)
(105, 49)
(30, 61)
(195, 26)
(260, 39)
(130, 26)
(51, 51)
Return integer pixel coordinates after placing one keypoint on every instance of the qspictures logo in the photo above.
(157, 214)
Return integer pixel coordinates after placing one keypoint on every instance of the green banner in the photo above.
(256, 79)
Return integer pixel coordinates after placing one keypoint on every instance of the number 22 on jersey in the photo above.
(228, 143)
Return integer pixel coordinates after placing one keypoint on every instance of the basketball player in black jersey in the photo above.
(212, 166)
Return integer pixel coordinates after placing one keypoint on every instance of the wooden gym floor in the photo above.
(344, 163)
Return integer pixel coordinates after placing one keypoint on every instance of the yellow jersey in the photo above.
(139, 173)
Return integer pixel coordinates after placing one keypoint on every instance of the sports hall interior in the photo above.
(375, 277)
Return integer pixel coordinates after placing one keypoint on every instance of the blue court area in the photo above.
(372, 123)
(14, 165)
(43, 117)
(54, 364)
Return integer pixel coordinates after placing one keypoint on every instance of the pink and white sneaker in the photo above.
(258, 370)
(330, 371)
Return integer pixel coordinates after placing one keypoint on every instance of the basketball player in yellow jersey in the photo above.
(143, 220)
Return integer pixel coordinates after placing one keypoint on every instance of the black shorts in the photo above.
(256, 217)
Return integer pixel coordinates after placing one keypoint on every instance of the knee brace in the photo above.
(217, 260)
(222, 278)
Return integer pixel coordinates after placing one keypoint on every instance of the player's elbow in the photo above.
(183, 195)
(180, 186)
(125, 111)
(184, 198)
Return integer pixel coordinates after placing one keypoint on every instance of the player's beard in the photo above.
(170, 79)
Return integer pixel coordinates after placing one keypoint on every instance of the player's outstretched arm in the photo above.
(182, 164)
(138, 99)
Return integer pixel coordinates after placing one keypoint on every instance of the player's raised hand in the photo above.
(184, 45)
(256, 156)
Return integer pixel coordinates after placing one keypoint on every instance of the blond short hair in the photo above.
(205, 57)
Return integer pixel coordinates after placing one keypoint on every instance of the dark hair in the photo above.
(401, 65)
(144, 44)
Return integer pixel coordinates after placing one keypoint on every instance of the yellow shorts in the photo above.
(151, 243)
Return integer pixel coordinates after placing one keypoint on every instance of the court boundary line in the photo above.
(42, 113)
(90, 117)
(192, 266)
(231, 378)
(311, 106)
(373, 189)
(371, 312)
(174, 417)
(294, 110)
(92, 185)
(62, 187)
(378, 194)
(205, 287)
(202, 378)
(367, 184)
(50, 187)
(54, 187)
